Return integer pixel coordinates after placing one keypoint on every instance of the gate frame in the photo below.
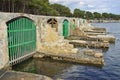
(20, 59)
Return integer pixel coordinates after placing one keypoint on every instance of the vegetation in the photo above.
(89, 15)
(43, 7)
(79, 13)
(97, 15)
(62, 10)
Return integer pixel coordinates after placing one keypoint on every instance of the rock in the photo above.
(108, 38)
(103, 61)
(38, 55)
(78, 32)
(86, 60)
(56, 58)
(14, 75)
(75, 50)
(51, 35)
(71, 46)
(89, 52)
(98, 55)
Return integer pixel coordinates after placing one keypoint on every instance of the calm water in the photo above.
(69, 71)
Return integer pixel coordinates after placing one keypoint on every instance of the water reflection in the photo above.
(46, 67)
(50, 67)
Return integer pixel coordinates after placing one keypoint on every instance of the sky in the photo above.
(109, 6)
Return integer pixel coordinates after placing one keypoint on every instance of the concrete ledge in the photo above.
(84, 56)
(91, 44)
(13, 75)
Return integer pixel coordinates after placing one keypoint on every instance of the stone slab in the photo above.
(13, 75)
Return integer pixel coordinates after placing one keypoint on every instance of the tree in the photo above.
(79, 13)
(63, 10)
(89, 15)
(105, 16)
(43, 7)
(97, 15)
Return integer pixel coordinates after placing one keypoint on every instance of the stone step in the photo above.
(93, 44)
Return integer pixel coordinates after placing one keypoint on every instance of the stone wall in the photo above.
(3, 45)
(77, 32)
(45, 34)
(84, 25)
(52, 43)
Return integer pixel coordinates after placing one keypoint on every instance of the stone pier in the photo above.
(91, 44)
(83, 56)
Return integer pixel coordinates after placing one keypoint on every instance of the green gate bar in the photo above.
(21, 37)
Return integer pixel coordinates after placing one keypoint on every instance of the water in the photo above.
(70, 71)
(110, 27)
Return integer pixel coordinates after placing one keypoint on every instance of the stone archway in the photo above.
(73, 24)
(21, 38)
(53, 22)
(65, 28)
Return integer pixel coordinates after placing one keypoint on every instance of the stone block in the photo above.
(89, 52)
(98, 55)
(74, 50)
(1, 58)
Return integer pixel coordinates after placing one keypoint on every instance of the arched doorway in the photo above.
(21, 38)
(53, 23)
(65, 28)
(73, 24)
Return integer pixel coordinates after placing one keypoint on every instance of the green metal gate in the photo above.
(21, 38)
(65, 28)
